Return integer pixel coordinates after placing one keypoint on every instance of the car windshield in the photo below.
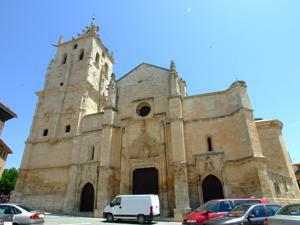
(239, 211)
(25, 208)
(210, 205)
(290, 210)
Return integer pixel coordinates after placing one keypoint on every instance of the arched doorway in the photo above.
(212, 188)
(87, 198)
(145, 181)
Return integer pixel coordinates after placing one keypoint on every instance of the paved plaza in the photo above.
(52, 219)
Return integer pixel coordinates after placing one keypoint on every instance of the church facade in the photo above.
(94, 137)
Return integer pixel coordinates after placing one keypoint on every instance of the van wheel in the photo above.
(109, 217)
(141, 219)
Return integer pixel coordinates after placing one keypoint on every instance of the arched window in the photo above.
(104, 72)
(81, 55)
(209, 144)
(75, 46)
(97, 58)
(65, 56)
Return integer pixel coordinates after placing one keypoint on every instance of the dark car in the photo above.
(217, 208)
(246, 214)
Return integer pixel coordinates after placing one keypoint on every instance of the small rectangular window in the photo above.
(92, 153)
(68, 128)
(209, 144)
(45, 133)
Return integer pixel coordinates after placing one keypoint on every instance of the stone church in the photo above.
(94, 136)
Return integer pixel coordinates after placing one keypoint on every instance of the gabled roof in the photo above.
(6, 113)
(4, 147)
(142, 64)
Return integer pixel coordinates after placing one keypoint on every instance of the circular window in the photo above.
(143, 109)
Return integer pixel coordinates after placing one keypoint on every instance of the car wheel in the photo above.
(109, 217)
(141, 219)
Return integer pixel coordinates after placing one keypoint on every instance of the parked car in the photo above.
(246, 214)
(138, 207)
(216, 208)
(22, 214)
(6, 218)
(287, 215)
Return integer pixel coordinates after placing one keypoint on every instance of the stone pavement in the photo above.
(52, 219)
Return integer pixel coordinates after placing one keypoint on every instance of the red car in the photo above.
(216, 208)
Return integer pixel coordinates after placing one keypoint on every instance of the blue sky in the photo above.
(213, 43)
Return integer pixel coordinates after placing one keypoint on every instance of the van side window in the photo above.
(118, 201)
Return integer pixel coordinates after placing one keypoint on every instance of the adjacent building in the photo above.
(94, 136)
(5, 114)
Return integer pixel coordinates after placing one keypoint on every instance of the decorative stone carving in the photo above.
(172, 67)
(144, 147)
(47, 116)
(208, 166)
(70, 112)
(90, 30)
(112, 93)
(174, 89)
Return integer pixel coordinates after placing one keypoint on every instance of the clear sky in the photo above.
(213, 43)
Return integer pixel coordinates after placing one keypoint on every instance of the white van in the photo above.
(138, 207)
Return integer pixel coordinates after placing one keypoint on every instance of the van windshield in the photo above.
(210, 205)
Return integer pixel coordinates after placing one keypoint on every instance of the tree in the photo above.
(8, 181)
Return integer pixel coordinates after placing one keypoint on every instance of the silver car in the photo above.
(21, 214)
(287, 215)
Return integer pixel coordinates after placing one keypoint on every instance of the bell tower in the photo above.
(76, 84)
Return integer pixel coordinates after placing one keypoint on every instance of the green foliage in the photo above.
(8, 181)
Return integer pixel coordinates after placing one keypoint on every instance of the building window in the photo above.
(97, 58)
(75, 46)
(92, 153)
(143, 109)
(104, 71)
(103, 55)
(209, 144)
(64, 59)
(277, 187)
(68, 128)
(45, 132)
(81, 54)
